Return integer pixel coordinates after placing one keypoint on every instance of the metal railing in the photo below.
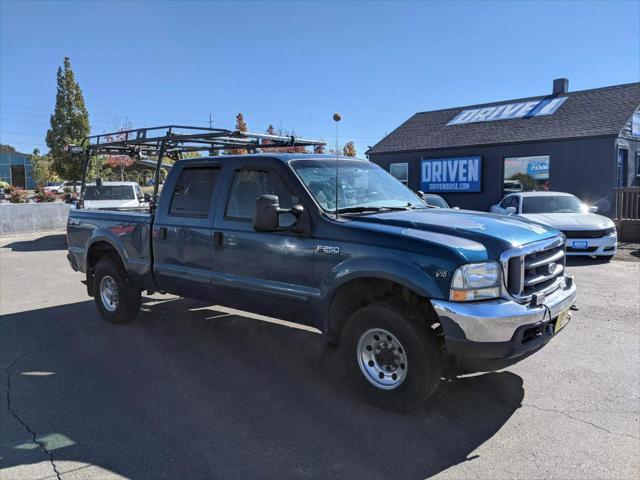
(628, 203)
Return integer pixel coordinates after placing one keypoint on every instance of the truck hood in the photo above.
(495, 232)
(571, 221)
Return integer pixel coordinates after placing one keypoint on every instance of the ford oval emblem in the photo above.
(551, 268)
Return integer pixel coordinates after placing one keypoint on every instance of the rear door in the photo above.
(183, 230)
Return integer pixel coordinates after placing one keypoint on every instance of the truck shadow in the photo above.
(193, 392)
(40, 244)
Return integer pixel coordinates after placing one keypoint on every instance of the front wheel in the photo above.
(117, 299)
(394, 360)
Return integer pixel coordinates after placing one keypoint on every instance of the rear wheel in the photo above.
(117, 299)
(394, 360)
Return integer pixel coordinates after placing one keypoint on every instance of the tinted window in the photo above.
(109, 192)
(192, 194)
(248, 185)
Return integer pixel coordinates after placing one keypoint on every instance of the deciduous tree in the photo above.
(349, 149)
(119, 162)
(41, 168)
(241, 126)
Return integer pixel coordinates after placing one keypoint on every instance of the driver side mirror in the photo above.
(593, 209)
(510, 210)
(268, 211)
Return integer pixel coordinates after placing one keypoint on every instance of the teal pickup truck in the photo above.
(402, 289)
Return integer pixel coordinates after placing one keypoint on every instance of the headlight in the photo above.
(475, 281)
(610, 232)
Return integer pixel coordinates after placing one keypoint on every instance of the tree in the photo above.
(69, 124)
(293, 149)
(119, 162)
(7, 148)
(241, 126)
(349, 149)
(41, 168)
(526, 180)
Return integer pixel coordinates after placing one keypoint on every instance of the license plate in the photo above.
(580, 244)
(562, 320)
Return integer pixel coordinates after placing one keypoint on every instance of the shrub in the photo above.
(18, 195)
(45, 196)
(4, 185)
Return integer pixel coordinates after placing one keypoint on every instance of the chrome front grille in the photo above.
(534, 268)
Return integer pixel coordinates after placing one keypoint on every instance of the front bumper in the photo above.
(592, 246)
(494, 333)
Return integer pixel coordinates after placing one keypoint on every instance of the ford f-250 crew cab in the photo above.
(400, 287)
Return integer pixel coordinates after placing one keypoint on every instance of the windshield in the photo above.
(361, 184)
(109, 192)
(436, 201)
(553, 204)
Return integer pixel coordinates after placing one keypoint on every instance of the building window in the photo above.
(523, 174)
(621, 167)
(637, 164)
(400, 171)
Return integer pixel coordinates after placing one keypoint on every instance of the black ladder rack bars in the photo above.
(173, 141)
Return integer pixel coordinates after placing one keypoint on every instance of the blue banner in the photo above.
(538, 170)
(442, 175)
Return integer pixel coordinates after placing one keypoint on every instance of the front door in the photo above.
(266, 272)
(17, 176)
(183, 232)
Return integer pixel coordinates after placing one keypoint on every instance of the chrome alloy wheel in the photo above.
(109, 293)
(382, 359)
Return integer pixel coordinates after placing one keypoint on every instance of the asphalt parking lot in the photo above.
(193, 391)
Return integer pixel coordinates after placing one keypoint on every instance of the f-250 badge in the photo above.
(328, 249)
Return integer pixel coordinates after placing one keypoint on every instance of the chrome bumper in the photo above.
(497, 320)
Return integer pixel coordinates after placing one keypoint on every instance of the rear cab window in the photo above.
(191, 196)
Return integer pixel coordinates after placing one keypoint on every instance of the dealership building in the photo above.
(585, 142)
(15, 169)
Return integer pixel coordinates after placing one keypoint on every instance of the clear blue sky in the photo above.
(295, 63)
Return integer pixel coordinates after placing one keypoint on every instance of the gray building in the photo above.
(585, 142)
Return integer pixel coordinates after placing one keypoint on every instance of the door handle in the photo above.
(218, 240)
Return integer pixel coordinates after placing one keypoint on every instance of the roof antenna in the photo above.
(337, 118)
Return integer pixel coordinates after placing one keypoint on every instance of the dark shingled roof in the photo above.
(586, 113)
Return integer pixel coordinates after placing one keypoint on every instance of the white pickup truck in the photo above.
(114, 195)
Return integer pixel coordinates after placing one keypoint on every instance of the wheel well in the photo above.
(97, 251)
(355, 294)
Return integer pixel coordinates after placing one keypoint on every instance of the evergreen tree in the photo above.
(69, 124)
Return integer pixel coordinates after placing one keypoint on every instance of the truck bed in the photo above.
(129, 233)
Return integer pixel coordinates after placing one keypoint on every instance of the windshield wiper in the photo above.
(369, 208)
